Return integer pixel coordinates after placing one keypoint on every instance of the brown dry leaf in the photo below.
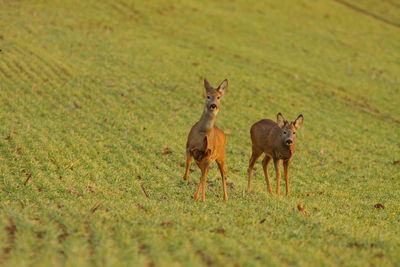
(167, 151)
(301, 208)
(74, 192)
(166, 223)
(95, 207)
(379, 206)
(355, 245)
(71, 166)
(396, 162)
(218, 231)
(141, 207)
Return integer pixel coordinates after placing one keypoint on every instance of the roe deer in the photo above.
(206, 142)
(277, 140)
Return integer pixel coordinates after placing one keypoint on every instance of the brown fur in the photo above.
(206, 142)
(278, 141)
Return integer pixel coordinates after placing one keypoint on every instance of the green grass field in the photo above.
(92, 92)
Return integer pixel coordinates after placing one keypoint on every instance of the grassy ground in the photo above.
(92, 92)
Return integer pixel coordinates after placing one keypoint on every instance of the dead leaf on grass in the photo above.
(355, 245)
(166, 223)
(301, 209)
(167, 151)
(218, 231)
(379, 206)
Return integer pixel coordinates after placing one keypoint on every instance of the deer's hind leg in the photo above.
(188, 162)
(221, 163)
(254, 156)
(265, 162)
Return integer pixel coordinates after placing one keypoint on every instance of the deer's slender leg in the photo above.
(254, 156)
(204, 171)
(286, 172)
(204, 183)
(188, 162)
(223, 176)
(278, 176)
(265, 162)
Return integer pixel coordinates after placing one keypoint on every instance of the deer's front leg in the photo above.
(286, 172)
(278, 176)
(188, 162)
(202, 185)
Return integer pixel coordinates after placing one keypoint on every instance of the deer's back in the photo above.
(262, 134)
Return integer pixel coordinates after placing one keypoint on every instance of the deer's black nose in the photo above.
(213, 106)
(289, 142)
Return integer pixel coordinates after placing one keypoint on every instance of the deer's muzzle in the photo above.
(213, 106)
(289, 142)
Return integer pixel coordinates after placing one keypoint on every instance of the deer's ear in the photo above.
(207, 85)
(298, 122)
(223, 87)
(280, 120)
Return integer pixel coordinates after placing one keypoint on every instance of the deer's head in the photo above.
(214, 95)
(288, 129)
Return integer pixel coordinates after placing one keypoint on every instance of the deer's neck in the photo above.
(206, 122)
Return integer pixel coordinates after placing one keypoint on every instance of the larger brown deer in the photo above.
(278, 141)
(206, 142)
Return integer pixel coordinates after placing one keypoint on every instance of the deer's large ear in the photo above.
(223, 87)
(280, 120)
(298, 122)
(207, 85)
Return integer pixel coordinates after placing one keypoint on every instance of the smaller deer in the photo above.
(278, 141)
(206, 142)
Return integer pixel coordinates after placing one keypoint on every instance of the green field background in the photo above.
(93, 93)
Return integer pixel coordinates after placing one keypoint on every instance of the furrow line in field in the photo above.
(62, 237)
(11, 230)
(4, 77)
(367, 13)
(52, 67)
(13, 71)
(321, 85)
(20, 62)
(131, 10)
(90, 241)
(390, 2)
(23, 71)
(36, 69)
(119, 9)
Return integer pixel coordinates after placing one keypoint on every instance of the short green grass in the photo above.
(92, 92)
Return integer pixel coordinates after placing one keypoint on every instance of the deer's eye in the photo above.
(208, 97)
(218, 97)
(284, 132)
(294, 133)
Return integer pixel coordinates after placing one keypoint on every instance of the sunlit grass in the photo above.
(91, 93)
